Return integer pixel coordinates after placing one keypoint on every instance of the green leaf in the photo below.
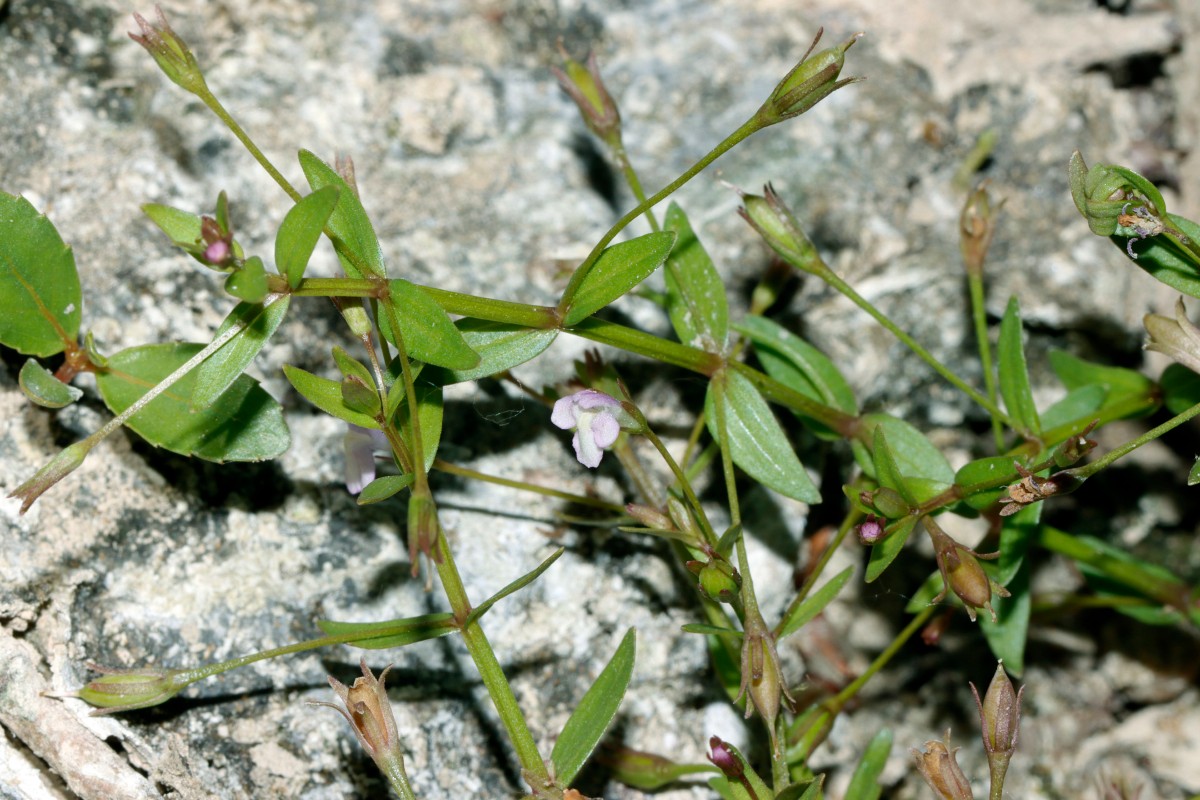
(1016, 533)
(887, 471)
(1107, 583)
(258, 321)
(798, 365)
(326, 395)
(243, 424)
(40, 298)
(1014, 376)
(1078, 406)
(381, 489)
(594, 713)
(248, 283)
(885, 552)
(757, 443)
(393, 633)
(500, 347)
(864, 784)
(428, 333)
(915, 455)
(41, 387)
(352, 366)
(429, 416)
(1180, 388)
(810, 790)
(696, 300)
(301, 230)
(1076, 373)
(619, 268)
(992, 468)
(517, 585)
(713, 630)
(349, 222)
(1166, 260)
(1194, 474)
(1007, 635)
(815, 603)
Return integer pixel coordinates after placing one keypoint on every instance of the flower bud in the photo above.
(1000, 719)
(808, 83)
(585, 86)
(725, 758)
(775, 222)
(62, 465)
(962, 573)
(940, 770)
(127, 689)
(1177, 338)
(871, 530)
(170, 52)
(650, 517)
(719, 580)
(1102, 193)
(977, 225)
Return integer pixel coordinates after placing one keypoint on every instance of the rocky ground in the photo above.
(480, 178)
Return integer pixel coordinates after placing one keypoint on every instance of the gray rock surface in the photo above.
(480, 178)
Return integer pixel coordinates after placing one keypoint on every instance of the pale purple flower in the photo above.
(596, 418)
(360, 445)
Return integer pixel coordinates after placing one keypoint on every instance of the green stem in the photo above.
(979, 315)
(841, 698)
(830, 277)
(1091, 469)
(647, 344)
(617, 148)
(1154, 584)
(578, 499)
(210, 100)
(393, 770)
(735, 512)
(682, 482)
(748, 127)
(815, 573)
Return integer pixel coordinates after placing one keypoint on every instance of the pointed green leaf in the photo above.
(249, 283)
(326, 395)
(887, 471)
(243, 424)
(1078, 406)
(500, 347)
(41, 387)
(885, 552)
(393, 633)
(1194, 474)
(352, 366)
(696, 300)
(815, 603)
(915, 455)
(798, 365)
(40, 298)
(1014, 377)
(301, 230)
(594, 714)
(429, 403)
(1008, 634)
(986, 470)
(1104, 574)
(1076, 373)
(381, 489)
(428, 333)
(713, 630)
(619, 268)
(1166, 260)
(258, 322)
(757, 443)
(517, 585)
(348, 222)
(1016, 534)
(810, 790)
(864, 784)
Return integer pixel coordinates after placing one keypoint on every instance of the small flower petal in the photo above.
(565, 413)
(605, 429)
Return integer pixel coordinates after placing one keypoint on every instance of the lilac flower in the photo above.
(596, 418)
(360, 445)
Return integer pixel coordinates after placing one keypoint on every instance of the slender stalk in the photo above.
(578, 499)
(210, 100)
(682, 482)
(979, 316)
(1101, 463)
(748, 127)
(617, 148)
(815, 573)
